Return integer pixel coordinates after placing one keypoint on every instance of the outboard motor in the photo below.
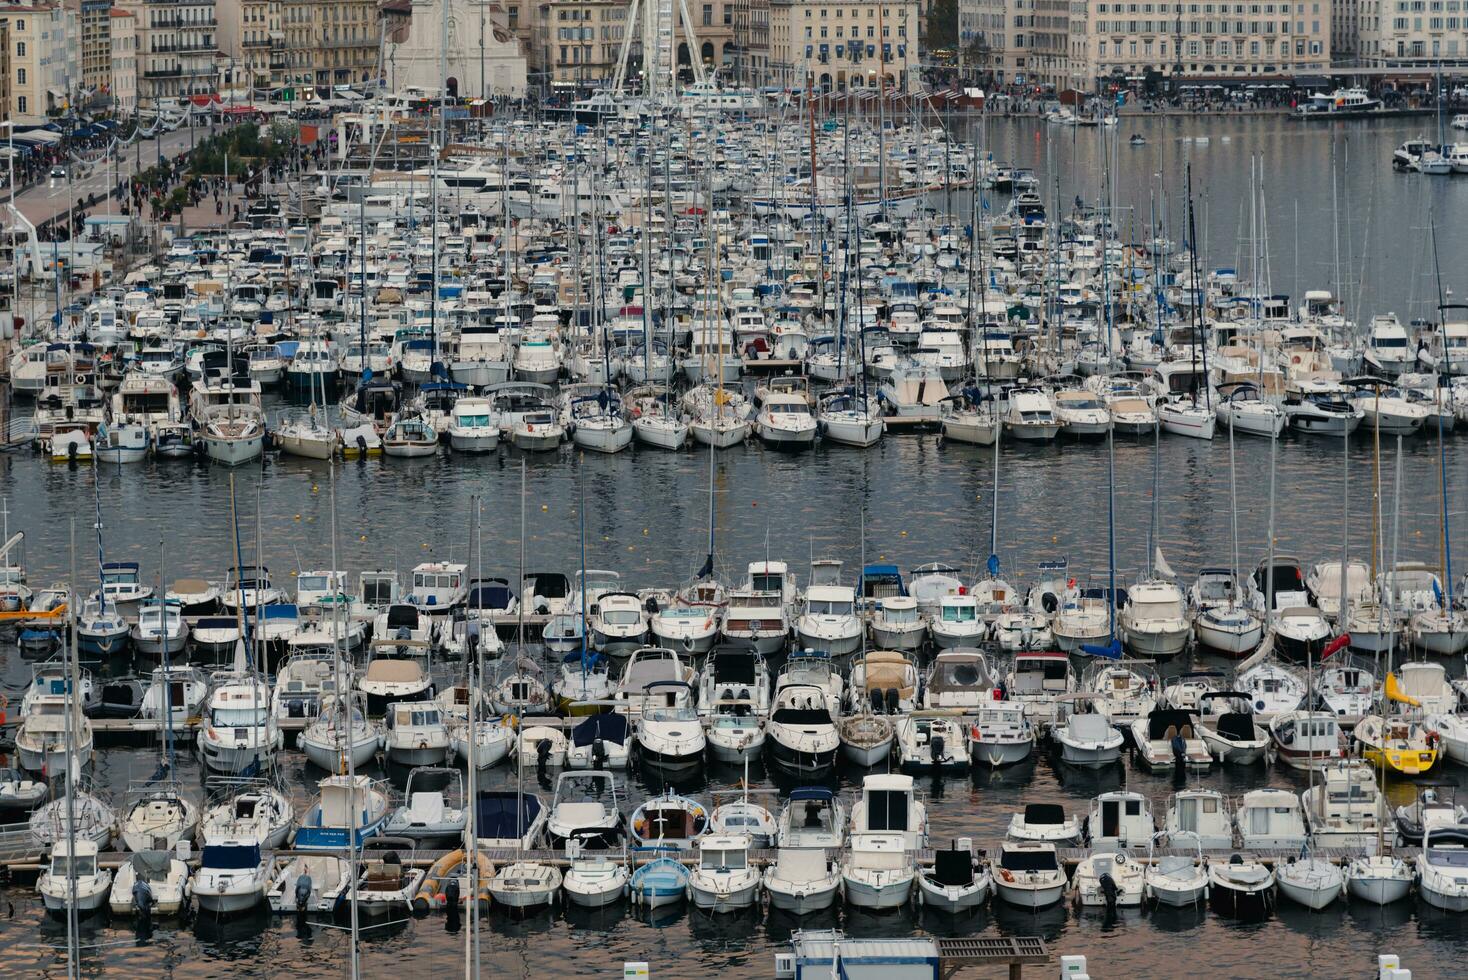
(451, 904)
(1109, 891)
(142, 898)
(361, 446)
(892, 700)
(935, 749)
(403, 633)
(1180, 751)
(303, 893)
(542, 756)
(598, 753)
(876, 694)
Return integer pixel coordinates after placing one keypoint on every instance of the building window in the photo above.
(20, 45)
(21, 105)
(708, 15)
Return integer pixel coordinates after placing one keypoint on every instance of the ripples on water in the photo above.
(646, 515)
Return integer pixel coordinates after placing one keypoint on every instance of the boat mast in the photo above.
(474, 669)
(345, 714)
(73, 763)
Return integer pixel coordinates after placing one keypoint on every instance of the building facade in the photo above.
(252, 39)
(39, 77)
(123, 37)
(1345, 30)
(576, 43)
(481, 59)
(95, 50)
(750, 36)
(1201, 41)
(843, 46)
(331, 42)
(1413, 33)
(177, 49)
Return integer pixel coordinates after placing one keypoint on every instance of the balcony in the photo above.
(181, 49)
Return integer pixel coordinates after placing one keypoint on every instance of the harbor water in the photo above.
(908, 500)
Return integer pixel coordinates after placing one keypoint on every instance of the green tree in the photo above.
(943, 25)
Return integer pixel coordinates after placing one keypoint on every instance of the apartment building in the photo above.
(252, 38)
(750, 35)
(123, 38)
(1413, 33)
(331, 42)
(38, 75)
(844, 45)
(177, 48)
(578, 42)
(95, 50)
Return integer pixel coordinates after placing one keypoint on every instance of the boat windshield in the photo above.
(1450, 857)
(86, 866)
(238, 717)
(829, 607)
(1028, 861)
(622, 617)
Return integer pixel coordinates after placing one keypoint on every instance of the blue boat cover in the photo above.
(231, 856)
(609, 727)
(496, 814)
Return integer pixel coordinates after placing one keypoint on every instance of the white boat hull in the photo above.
(234, 452)
(1027, 896)
(878, 890)
(803, 898)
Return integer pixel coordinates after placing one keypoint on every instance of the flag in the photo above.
(1335, 646)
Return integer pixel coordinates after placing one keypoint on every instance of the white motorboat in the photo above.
(671, 737)
(595, 877)
(305, 883)
(1441, 864)
(801, 732)
(1154, 620)
(231, 878)
(1176, 880)
(1031, 415)
(1083, 412)
(785, 421)
(73, 879)
(723, 880)
(416, 734)
(1198, 817)
(1109, 880)
(1028, 874)
(934, 744)
(886, 680)
(999, 734)
(618, 623)
(959, 679)
(1167, 739)
(1085, 735)
(161, 628)
(390, 680)
(585, 801)
(888, 826)
(525, 885)
(957, 881)
(1307, 739)
(1271, 818)
(150, 883)
(897, 625)
(669, 819)
(829, 621)
(802, 879)
(240, 732)
(1240, 888)
(472, 428)
(601, 741)
(957, 623)
(1120, 819)
(1345, 809)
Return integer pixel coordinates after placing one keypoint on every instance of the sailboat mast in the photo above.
(73, 763)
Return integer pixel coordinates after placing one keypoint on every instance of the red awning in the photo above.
(238, 110)
(203, 100)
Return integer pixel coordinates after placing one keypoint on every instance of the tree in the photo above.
(943, 25)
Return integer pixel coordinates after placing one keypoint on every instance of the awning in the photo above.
(204, 100)
(238, 110)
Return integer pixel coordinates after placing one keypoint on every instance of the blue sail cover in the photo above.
(496, 814)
